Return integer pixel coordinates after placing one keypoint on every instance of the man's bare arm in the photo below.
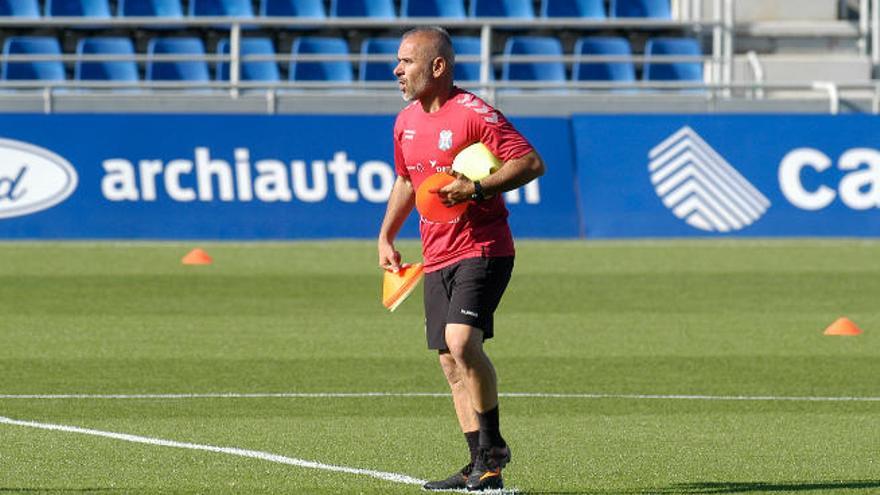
(400, 204)
(512, 174)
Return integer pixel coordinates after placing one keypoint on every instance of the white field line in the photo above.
(536, 395)
(253, 454)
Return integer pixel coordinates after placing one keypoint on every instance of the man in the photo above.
(467, 261)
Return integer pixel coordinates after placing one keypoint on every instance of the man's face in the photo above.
(414, 72)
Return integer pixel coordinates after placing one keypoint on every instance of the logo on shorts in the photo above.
(700, 187)
(468, 312)
(445, 141)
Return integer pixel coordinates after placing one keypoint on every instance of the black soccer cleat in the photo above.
(457, 481)
(486, 474)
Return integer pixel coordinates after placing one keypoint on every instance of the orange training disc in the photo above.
(429, 204)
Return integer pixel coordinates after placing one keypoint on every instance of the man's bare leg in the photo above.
(466, 348)
(467, 420)
(465, 344)
(464, 410)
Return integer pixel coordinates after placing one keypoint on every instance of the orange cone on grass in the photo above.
(843, 326)
(197, 256)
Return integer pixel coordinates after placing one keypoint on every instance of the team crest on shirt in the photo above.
(445, 141)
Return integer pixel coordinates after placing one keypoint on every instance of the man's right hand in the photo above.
(389, 258)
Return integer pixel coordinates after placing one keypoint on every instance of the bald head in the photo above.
(433, 42)
(425, 66)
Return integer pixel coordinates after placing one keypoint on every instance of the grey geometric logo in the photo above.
(700, 187)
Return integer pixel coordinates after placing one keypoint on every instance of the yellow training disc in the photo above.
(476, 162)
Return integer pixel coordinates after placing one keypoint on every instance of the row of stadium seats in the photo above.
(455, 9)
(158, 66)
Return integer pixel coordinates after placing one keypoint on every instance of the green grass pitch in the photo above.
(709, 318)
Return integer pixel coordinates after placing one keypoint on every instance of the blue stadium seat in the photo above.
(362, 8)
(19, 8)
(533, 71)
(293, 8)
(254, 70)
(520, 9)
(231, 8)
(672, 71)
(331, 70)
(176, 70)
(78, 8)
(47, 70)
(467, 45)
(453, 9)
(109, 70)
(588, 9)
(657, 9)
(150, 8)
(603, 71)
(379, 71)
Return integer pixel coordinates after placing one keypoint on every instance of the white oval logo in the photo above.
(32, 178)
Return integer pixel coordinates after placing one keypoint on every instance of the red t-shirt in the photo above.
(426, 143)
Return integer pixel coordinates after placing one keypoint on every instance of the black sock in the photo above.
(490, 432)
(473, 441)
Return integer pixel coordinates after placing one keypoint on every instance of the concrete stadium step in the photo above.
(806, 68)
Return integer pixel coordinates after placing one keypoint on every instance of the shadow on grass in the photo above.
(721, 487)
(709, 488)
(54, 490)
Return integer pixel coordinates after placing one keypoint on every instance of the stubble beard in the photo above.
(408, 94)
(413, 91)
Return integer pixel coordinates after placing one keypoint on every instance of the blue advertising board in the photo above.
(300, 177)
(728, 175)
(232, 177)
(547, 207)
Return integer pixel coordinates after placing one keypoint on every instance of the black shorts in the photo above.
(466, 292)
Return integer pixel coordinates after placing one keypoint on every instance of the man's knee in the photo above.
(464, 342)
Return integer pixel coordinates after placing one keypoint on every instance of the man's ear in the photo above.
(439, 66)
